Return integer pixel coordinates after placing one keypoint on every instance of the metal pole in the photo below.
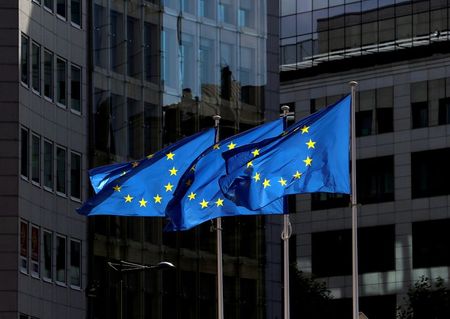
(219, 244)
(355, 286)
(285, 235)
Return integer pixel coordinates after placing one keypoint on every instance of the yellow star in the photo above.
(170, 156)
(117, 188)
(128, 198)
(297, 175)
(255, 152)
(257, 177)
(216, 147)
(143, 202)
(188, 182)
(266, 182)
(231, 146)
(157, 198)
(308, 161)
(310, 144)
(204, 203)
(173, 171)
(149, 156)
(193, 168)
(192, 195)
(249, 164)
(135, 164)
(219, 202)
(305, 129)
(282, 181)
(168, 187)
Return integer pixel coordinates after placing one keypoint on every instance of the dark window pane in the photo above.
(431, 243)
(24, 60)
(60, 170)
(61, 259)
(375, 179)
(47, 252)
(24, 149)
(61, 87)
(151, 51)
(385, 120)
(134, 47)
(75, 12)
(48, 164)
(363, 123)
(329, 200)
(419, 112)
(75, 94)
(61, 7)
(444, 111)
(75, 175)
(376, 255)
(431, 173)
(35, 158)
(36, 67)
(48, 75)
(49, 4)
(75, 263)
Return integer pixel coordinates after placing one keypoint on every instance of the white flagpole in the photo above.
(285, 235)
(219, 244)
(355, 286)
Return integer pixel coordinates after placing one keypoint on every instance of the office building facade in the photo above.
(160, 71)
(43, 159)
(399, 53)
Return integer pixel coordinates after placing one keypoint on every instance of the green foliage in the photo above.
(426, 300)
(309, 298)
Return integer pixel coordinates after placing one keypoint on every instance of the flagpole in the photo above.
(285, 235)
(219, 243)
(355, 286)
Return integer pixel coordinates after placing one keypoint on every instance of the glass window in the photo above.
(36, 67)
(288, 26)
(75, 175)
(419, 114)
(135, 128)
(304, 23)
(75, 88)
(35, 247)
(375, 177)
(75, 12)
(75, 263)
(134, 47)
(24, 147)
(117, 42)
(61, 170)
(431, 173)
(328, 201)
(430, 243)
(386, 30)
(60, 259)
(61, 7)
(303, 5)
(100, 36)
(49, 4)
(151, 50)
(385, 120)
(48, 165)
(444, 111)
(24, 60)
(35, 159)
(47, 255)
(37, 1)
(61, 86)
(48, 74)
(24, 246)
(363, 123)
(207, 8)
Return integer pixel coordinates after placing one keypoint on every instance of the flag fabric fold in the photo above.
(145, 187)
(199, 197)
(311, 156)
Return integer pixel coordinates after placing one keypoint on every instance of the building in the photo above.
(87, 83)
(399, 53)
(44, 121)
(160, 71)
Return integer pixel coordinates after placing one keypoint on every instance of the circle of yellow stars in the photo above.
(266, 183)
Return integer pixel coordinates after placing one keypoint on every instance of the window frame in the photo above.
(50, 10)
(52, 77)
(74, 286)
(62, 17)
(27, 60)
(74, 24)
(52, 168)
(35, 264)
(32, 177)
(24, 228)
(57, 82)
(34, 45)
(27, 148)
(44, 275)
(64, 193)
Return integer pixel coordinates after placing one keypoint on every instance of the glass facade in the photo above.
(313, 32)
(161, 71)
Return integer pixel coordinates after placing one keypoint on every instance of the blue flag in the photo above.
(101, 176)
(144, 188)
(311, 156)
(199, 198)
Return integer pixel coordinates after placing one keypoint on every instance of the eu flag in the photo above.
(145, 187)
(199, 198)
(311, 156)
